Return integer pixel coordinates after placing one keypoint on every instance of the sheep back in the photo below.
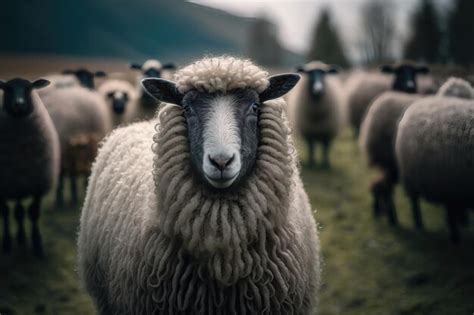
(434, 147)
(379, 129)
(29, 153)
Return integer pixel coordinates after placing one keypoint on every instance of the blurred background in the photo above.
(370, 267)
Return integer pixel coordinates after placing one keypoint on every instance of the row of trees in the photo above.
(433, 39)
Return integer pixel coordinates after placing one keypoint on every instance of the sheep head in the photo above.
(17, 99)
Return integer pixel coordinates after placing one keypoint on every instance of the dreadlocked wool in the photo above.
(153, 240)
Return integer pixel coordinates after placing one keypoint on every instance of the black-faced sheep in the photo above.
(120, 95)
(202, 210)
(315, 107)
(29, 156)
(86, 77)
(435, 150)
(147, 106)
(75, 111)
(363, 88)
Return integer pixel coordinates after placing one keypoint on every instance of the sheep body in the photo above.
(153, 239)
(29, 153)
(116, 85)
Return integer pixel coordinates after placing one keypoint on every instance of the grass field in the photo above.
(369, 267)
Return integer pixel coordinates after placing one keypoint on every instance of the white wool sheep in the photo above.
(120, 96)
(434, 149)
(153, 239)
(29, 156)
(316, 115)
(75, 111)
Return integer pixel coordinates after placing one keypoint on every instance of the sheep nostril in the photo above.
(221, 161)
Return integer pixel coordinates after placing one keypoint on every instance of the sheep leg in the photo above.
(73, 179)
(7, 243)
(34, 212)
(20, 216)
(451, 218)
(311, 161)
(60, 191)
(391, 211)
(326, 147)
(377, 199)
(415, 207)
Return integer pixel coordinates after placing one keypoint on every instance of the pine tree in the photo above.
(326, 44)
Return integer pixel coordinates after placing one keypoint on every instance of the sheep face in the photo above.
(85, 77)
(118, 100)
(317, 80)
(405, 76)
(223, 129)
(17, 100)
(152, 68)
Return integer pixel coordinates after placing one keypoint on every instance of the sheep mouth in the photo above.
(222, 182)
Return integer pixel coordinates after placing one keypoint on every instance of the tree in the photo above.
(263, 44)
(424, 43)
(460, 32)
(378, 31)
(326, 44)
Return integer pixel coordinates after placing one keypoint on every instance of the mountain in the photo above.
(170, 30)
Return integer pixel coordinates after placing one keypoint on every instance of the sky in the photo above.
(296, 18)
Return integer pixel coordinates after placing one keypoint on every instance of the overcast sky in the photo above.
(296, 18)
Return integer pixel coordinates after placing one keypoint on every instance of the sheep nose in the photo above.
(221, 161)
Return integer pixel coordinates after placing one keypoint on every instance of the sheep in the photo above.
(315, 107)
(120, 96)
(434, 150)
(29, 156)
(202, 209)
(85, 76)
(365, 87)
(146, 105)
(75, 111)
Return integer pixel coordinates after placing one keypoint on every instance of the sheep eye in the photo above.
(187, 109)
(255, 107)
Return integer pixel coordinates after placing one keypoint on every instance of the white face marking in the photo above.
(221, 158)
(118, 95)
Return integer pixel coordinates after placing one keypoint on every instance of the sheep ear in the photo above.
(386, 69)
(162, 90)
(135, 66)
(169, 66)
(279, 85)
(100, 74)
(40, 83)
(300, 68)
(422, 70)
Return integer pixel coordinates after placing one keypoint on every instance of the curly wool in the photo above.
(221, 74)
(434, 148)
(250, 250)
(379, 129)
(456, 87)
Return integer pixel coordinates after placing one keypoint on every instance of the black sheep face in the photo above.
(223, 129)
(86, 78)
(17, 99)
(316, 83)
(118, 100)
(152, 72)
(405, 76)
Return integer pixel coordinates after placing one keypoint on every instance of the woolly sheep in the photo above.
(29, 156)
(434, 149)
(363, 88)
(146, 105)
(377, 141)
(85, 77)
(163, 232)
(75, 111)
(315, 106)
(120, 96)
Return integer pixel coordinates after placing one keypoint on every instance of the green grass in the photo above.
(369, 266)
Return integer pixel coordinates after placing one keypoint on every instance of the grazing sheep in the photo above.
(202, 210)
(315, 107)
(85, 77)
(75, 111)
(120, 96)
(365, 87)
(146, 105)
(29, 156)
(434, 149)
(377, 140)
